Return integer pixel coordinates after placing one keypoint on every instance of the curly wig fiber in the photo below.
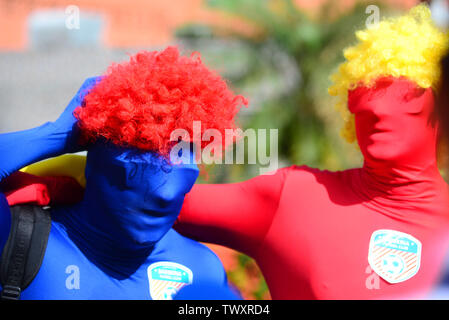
(139, 103)
(409, 46)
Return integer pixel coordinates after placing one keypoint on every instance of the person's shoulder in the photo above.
(183, 243)
(202, 261)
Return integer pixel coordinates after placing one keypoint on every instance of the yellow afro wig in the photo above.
(409, 46)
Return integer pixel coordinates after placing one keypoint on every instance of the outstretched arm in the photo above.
(235, 215)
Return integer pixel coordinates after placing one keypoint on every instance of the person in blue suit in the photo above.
(118, 242)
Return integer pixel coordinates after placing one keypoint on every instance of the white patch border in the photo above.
(168, 264)
(397, 233)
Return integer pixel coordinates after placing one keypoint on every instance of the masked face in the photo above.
(141, 194)
(392, 120)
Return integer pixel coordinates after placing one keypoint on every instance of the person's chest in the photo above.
(66, 273)
(323, 245)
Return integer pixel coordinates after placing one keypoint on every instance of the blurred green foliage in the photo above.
(284, 69)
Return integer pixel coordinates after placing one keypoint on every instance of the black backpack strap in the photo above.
(25, 249)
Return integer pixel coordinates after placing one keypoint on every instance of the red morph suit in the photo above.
(310, 230)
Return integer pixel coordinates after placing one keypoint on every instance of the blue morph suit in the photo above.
(118, 243)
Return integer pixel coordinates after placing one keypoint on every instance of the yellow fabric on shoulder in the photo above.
(69, 165)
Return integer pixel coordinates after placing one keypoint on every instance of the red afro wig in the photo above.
(139, 103)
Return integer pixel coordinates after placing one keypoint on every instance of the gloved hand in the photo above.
(66, 123)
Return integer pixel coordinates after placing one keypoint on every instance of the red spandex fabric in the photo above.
(309, 230)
